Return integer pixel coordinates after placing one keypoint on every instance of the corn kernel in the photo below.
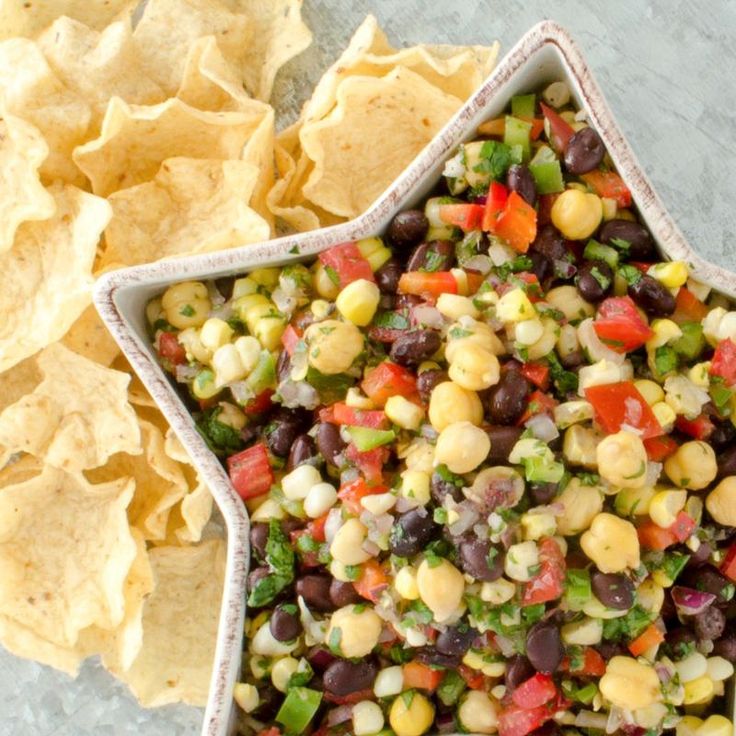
(186, 304)
(367, 718)
(672, 275)
(665, 330)
(282, 671)
(204, 385)
(699, 374)
(475, 661)
(415, 486)
(536, 526)
(650, 596)
(243, 287)
(661, 578)
(497, 592)
(514, 306)
(246, 696)
(585, 632)
(411, 716)
(688, 726)
(389, 681)
(267, 276)
(698, 691)
(715, 725)
(651, 391)
(665, 415)
(405, 583)
(358, 400)
(454, 306)
(269, 327)
(610, 208)
(227, 365)
(403, 412)
(358, 302)
(665, 506)
(374, 251)
(214, 333)
(692, 667)
(321, 309)
(461, 279)
(529, 331)
(323, 284)
(478, 713)
(719, 669)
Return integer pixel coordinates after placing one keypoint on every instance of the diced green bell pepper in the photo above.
(692, 342)
(577, 588)
(451, 688)
(540, 470)
(366, 439)
(298, 708)
(547, 177)
(523, 106)
(517, 133)
(666, 361)
(595, 251)
(330, 388)
(263, 376)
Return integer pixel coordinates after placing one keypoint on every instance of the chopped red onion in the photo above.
(426, 315)
(507, 646)
(339, 715)
(690, 602)
(371, 548)
(564, 269)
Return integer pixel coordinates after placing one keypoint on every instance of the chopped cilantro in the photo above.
(630, 274)
(221, 438)
(332, 275)
(187, 311)
(495, 159)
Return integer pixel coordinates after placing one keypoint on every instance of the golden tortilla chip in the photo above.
(47, 276)
(89, 337)
(135, 140)
(65, 552)
(76, 418)
(20, 380)
(196, 511)
(191, 206)
(180, 622)
(30, 90)
(377, 127)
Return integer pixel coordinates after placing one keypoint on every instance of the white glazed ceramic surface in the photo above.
(544, 54)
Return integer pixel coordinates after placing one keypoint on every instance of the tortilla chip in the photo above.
(47, 274)
(191, 206)
(20, 380)
(378, 126)
(65, 552)
(89, 337)
(159, 482)
(98, 65)
(76, 418)
(174, 448)
(180, 622)
(196, 512)
(30, 90)
(135, 140)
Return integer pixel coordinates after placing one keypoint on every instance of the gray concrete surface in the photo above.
(667, 69)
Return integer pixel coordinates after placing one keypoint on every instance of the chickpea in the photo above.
(622, 459)
(579, 446)
(721, 502)
(347, 546)
(323, 284)
(480, 334)
(577, 214)
(478, 713)
(462, 447)
(586, 632)
(411, 714)
(692, 466)
(612, 543)
(186, 304)
(567, 299)
(441, 588)
(521, 560)
(630, 684)
(451, 403)
(356, 630)
(581, 505)
(474, 368)
(333, 345)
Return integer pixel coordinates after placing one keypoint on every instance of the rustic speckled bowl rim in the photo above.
(111, 289)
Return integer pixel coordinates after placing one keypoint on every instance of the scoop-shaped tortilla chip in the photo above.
(135, 140)
(47, 277)
(377, 127)
(180, 620)
(191, 206)
(20, 380)
(76, 418)
(89, 337)
(65, 552)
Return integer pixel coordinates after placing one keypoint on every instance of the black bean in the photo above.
(411, 348)
(542, 267)
(440, 487)
(387, 277)
(343, 593)
(258, 539)
(480, 559)
(320, 658)
(225, 286)
(543, 493)
(550, 243)
(518, 669)
(584, 152)
(508, 398)
(411, 532)
(303, 450)
(707, 579)
(727, 462)
(315, 589)
(344, 677)
(427, 380)
(455, 640)
(544, 646)
(406, 301)
(710, 624)
(284, 624)
(329, 442)
(408, 228)
(610, 649)
(269, 702)
(433, 657)
(613, 590)
(652, 297)
(283, 429)
(641, 245)
(594, 280)
(573, 360)
(726, 646)
(503, 440)
(437, 255)
(723, 436)
(520, 180)
(680, 640)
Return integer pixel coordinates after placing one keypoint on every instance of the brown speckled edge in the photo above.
(219, 715)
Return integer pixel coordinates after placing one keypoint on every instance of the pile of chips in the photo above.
(130, 134)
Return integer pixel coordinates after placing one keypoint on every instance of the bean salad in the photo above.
(489, 458)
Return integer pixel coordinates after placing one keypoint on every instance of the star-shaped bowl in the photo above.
(546, 53)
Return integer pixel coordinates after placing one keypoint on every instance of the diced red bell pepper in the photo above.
(341, 413)
(290, 338)
(537, 690)
(347, 262)
(519, 721)
(465, 216)
(688, 308)
(372, 581)
(560, 130)
(660, 448)
(259, 404)
(618, 404)
(682, 527)
(610, 185)
(620, 326)
(699, 428)
(170, 349)
(592, 664)
(495, 204)
(352, 493)
(273, 731)
(723, 362)
(421, 676)
(548, 584)
(646, 640)
(539, 403)
(537, 373)
(250, 472)
(655, 537)
(517, 224)
(473, 679)
(428, 283)
(389, 379)
(728, 566)
(537, 127)
(369, 463)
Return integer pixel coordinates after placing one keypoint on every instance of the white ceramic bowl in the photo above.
(546, 53)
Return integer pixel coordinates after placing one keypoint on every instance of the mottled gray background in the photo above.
(667, 68)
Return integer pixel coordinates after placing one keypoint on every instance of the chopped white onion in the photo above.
(285, 303)
(543, 427)
(481, 263)
(298, 393)
(499, 253)
(589, 719)
(454, 167)
(332, 524)
(426, 315)
(468, 517)
(186, 373)
(242, 392)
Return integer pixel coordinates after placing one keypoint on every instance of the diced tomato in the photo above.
(250, 472)
(519, 721)
(351, 494)
(495, 204)
(537, 690)
(517, 224)
(544, 208)
(428, 283)
(560, 130)
(316, 528)
(259, 404)
(610, 185)
(369, 463)
(421, 676)
(620, 326)
(341, 413)
(290, 338)
(170, 349)
(682, 527)
(473, 678)
(347, 263)
(688, 308)
(548, 584)
(372, 581)
(650, 637)
(592, 664)
(660, 448)
(389, 379)
(537, 373)
(273, 731)
(351, 698)
(655, 537)
(537, 127)
(728, 566)
(465, 216)
(539, 403)
(618, 404)
(700, 428)
(723, 362)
